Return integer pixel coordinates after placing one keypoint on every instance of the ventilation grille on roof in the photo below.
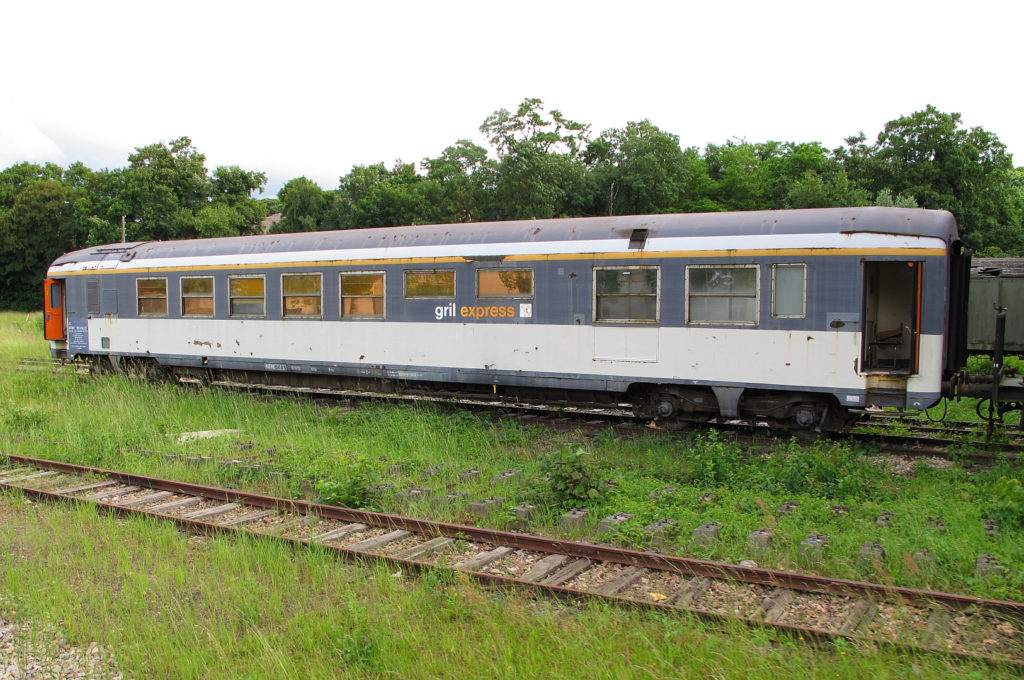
(638, 239)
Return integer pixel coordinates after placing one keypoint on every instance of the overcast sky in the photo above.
(307, 88)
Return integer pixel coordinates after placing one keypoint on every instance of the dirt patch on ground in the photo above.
(30, 649)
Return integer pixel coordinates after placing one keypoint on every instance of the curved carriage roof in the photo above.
(881, 220)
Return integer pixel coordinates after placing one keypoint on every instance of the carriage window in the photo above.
(197, 296)
(504, 283)
(430, 284)
(245, 296)
(722, 294)
(362, 295)
(626, 294)
(789, 290)
(301, 295)
(152, 296)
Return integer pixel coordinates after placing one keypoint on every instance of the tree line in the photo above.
(537, 164)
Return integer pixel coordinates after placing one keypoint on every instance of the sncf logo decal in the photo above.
(451, 311)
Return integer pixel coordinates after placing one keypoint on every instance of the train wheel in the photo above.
(666, 412)
(811, 422)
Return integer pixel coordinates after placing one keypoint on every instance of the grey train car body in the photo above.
(996, 282)
(797, 316)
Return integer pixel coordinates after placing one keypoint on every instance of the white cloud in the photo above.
(312, 88)
(21, 140)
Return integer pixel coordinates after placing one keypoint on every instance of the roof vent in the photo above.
(638, 239)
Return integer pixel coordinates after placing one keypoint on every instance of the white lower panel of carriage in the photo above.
(746, 356)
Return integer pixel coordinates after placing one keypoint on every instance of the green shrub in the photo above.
(1007, 505)
(21, 418)
(353, 485)
(359, 646)
(981, 364)
(829, 469)
(710, 460)
(571, 478)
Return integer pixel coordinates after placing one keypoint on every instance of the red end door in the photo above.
(53, 309)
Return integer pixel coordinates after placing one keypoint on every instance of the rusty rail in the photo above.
(657, 561)
(665, 563)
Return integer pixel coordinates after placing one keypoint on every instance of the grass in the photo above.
(249, 608)
(174, 606)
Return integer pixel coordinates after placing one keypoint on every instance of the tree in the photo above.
(161, 189)
(221, 219)
(929, 156)
(178, 166)
(234, 209)
(16, 177)
(377, 197)
(885, 198)
(551, 133)
(739, 180)
(164, 192)
(780, 175)
(233, 185)
(459, 182)
(302, 206)
(39, 226)
(640, 169)
(540, 173)
(98, 203)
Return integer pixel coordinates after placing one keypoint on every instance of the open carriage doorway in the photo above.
(892, 317)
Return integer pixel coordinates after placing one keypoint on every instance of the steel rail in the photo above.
(626, 423)
(1012, 438)
(919, 445)
(540, 544)
(670, 563)
(620, 417)
(912, 418)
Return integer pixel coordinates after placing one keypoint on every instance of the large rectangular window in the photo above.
(301, 295)
(197, 296)
(722, 294)
(504, 283)
(246, 296)
(789, 290)
(362, 295)
(627, 294)
(152, 296)
(438, 283)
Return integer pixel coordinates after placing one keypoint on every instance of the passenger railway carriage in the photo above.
(801, 317)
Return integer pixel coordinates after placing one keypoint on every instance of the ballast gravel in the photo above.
(906, 466)
(31, 651)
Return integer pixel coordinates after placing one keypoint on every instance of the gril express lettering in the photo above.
(474, 312)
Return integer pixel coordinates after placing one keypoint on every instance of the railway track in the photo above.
(804, 605)
(1005, 431)
(623, 421)
(1006, 439)
(52, 364)
(924, 446)
(911, 440)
